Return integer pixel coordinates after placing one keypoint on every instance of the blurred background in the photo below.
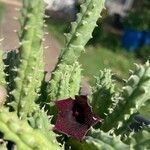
(121, 39)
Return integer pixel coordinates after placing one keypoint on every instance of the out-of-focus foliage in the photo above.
(1, 11)
(144, 52)
(138, 18)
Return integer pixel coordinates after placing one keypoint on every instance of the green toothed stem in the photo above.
(26, 11)
(23, 20)
(124, 129)
(134, 96)
(41, 121)
(75, 80)
(19, 132)
(103, 93)
(65, 82)
(31, 66)
(98, 140)
(81, 32)
(139, 140)
(142, 139)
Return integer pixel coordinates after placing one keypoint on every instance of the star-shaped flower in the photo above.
(75, 117)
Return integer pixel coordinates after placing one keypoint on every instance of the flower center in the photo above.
(78, 113)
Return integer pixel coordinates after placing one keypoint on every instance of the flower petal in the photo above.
(75, 117)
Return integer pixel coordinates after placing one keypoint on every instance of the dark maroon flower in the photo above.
(75, 117)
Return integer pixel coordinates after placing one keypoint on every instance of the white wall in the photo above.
(117, 6)
(60, 4)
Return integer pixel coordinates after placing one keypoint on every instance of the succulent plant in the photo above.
(28, 114)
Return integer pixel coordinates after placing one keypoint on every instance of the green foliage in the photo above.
(144, 52)
(2, 9)
(99, 58)
(27, 121)
(138, 18)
